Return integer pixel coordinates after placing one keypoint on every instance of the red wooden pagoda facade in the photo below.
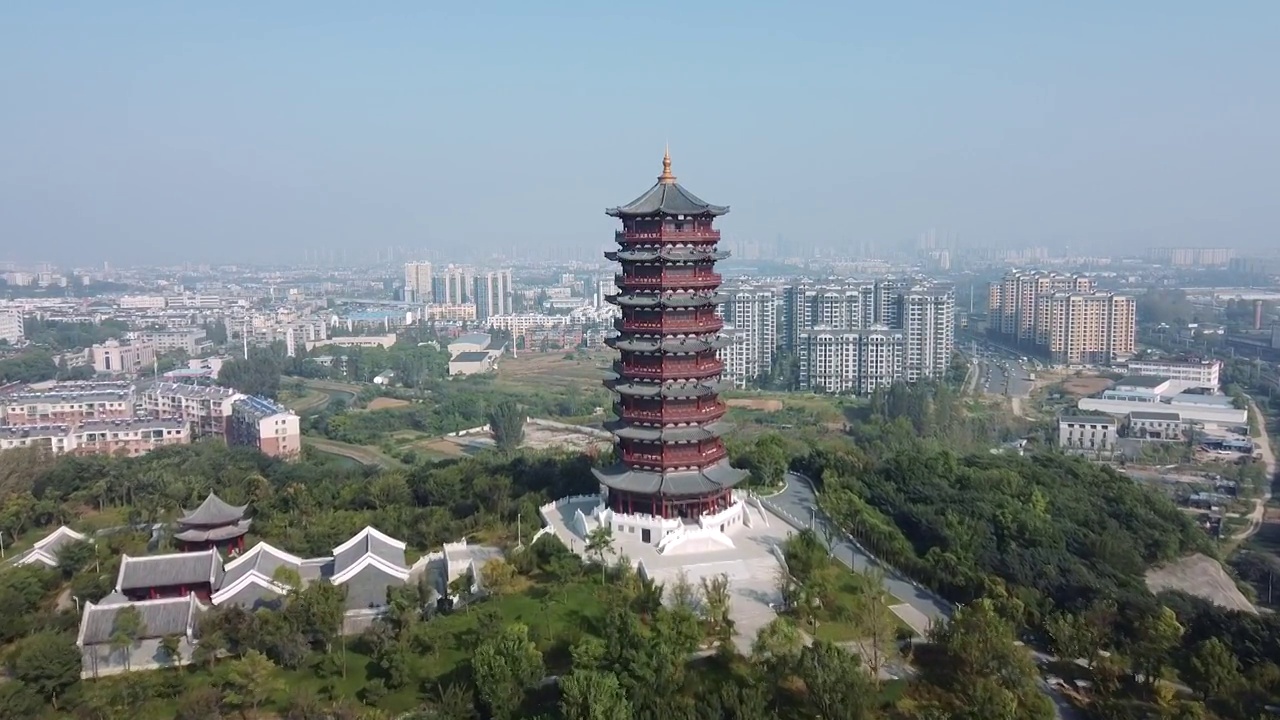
(672, 462)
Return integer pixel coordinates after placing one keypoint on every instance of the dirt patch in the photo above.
(1202, 576)
(764, 404)
(1085, 386)
(383, 403)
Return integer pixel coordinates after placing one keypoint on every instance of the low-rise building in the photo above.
(1206, 374)
(1156, 425)
(207, 409)
(149, 577)
(1091, 433)
(123, 358)
(472, 363)
(46, 549)
(266, 425)
(159, 619)
(67, 405)
(382, 341)
(191, 341)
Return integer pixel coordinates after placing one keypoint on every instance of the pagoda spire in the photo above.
(666, 178)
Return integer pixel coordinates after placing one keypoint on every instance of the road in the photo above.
(798, 505)
(1268, 459)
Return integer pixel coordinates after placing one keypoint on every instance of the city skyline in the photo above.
(157, 134)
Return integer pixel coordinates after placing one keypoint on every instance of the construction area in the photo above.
(538, 435)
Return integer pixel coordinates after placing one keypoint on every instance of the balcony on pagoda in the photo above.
(672, 277)
(668, 229)
(668, 367)
(643, 410)
(670, 322)
(673, 457)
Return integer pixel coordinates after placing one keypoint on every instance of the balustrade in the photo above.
(670, 414)
(676, 456)
(670, 368)
(670, 325)
(672, 279)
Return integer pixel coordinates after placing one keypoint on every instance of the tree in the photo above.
(171, 646)
(768, 460)
(48, 663)
(1212, 669)
(249, 681)
(1068, 636)
(506, 422)
(836, 686)
(19, 702)
(505, 667)
(593, 695)
(600, 542)
(1158, 635)
(715, 606)
(498, 576)
(126, 629)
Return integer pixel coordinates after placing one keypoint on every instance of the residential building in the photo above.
(452, 285)
(1087, 328)
(926, 315)
(266, 425)
(752, 313)
(68, 404)
(1091, 433)
(11, 328)
(456, 313)
(132, 437)
(418, 283)
(1206, 374)
(738, 354)
(116, 358)
(1192, 257)
(191, 341)
(850, 361)
(1011, 303)
(206, 408)
(491, 293)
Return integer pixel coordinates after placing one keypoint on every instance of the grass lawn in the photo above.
(835, 622)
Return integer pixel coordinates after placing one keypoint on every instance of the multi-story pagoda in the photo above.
(672, 461)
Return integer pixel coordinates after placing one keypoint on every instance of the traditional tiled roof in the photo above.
(369, 547)
(160, 618)
(46, 549)
(708, 480)
(667, 197)
(213, 511)
(174, 569)
(213, 534)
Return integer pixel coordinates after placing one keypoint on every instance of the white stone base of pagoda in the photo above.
(666, 536)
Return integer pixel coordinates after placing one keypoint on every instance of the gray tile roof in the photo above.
(367, 589)
(368, 542)
(671, 484)
(170, 570)
(213, 511)
(170, 616)
(213, 534)
(667, 198)
(262, 559)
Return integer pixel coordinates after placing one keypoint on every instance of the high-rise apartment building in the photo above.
(752, 314)
(491, 292)
(850, 361)
(1063, 317)
(817, 316)
(11, 329)
(452, 285)
(417, 282)
(1192, 257)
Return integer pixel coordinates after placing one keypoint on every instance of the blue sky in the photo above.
(248, 131)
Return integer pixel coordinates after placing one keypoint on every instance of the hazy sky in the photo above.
(250, 130)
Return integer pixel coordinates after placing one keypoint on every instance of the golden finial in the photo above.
(666, 177)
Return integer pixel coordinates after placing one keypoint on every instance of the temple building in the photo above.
(158, 619)
(215, 524)
(174, 575)
(673, 468)
(46, 550)
(366, 566)
(263, 576)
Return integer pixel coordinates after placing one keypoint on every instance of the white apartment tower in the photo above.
(752, 314)
(491, 292)
(453, 285)
(11, 328)
(417, 282)
(850, 361)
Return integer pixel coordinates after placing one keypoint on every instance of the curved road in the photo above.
(798, 505)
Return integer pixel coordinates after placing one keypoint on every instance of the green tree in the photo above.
(599, 543)
(171, 646)
(126, 629)
(1212, 669)
(593, 695)
(48, 663)
(19, 702)
(836, 685)
(505, 667)
(506, 422)
(768, 460)
(1158, 636)
(249, 681)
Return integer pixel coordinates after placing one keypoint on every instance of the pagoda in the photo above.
(672, 464)
(216, 523)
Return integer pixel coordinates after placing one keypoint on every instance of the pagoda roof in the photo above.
(160, 618)
(219, 533)
(678, 389)
(681, 433)
(170, 570)
(708, 480)
(679, 300)
(673, 254)
(667, 197)
(213, 511)
(671, 345)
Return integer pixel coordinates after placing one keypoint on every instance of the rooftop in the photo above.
(1142, 381)
(132, 424)
(1154, 415)
(473, 356)
(213, 511)
(481, 339)
(667, 197)
(258, 407)
(172, 570)
(160, 618)
(190, 391)
(1087, 419)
